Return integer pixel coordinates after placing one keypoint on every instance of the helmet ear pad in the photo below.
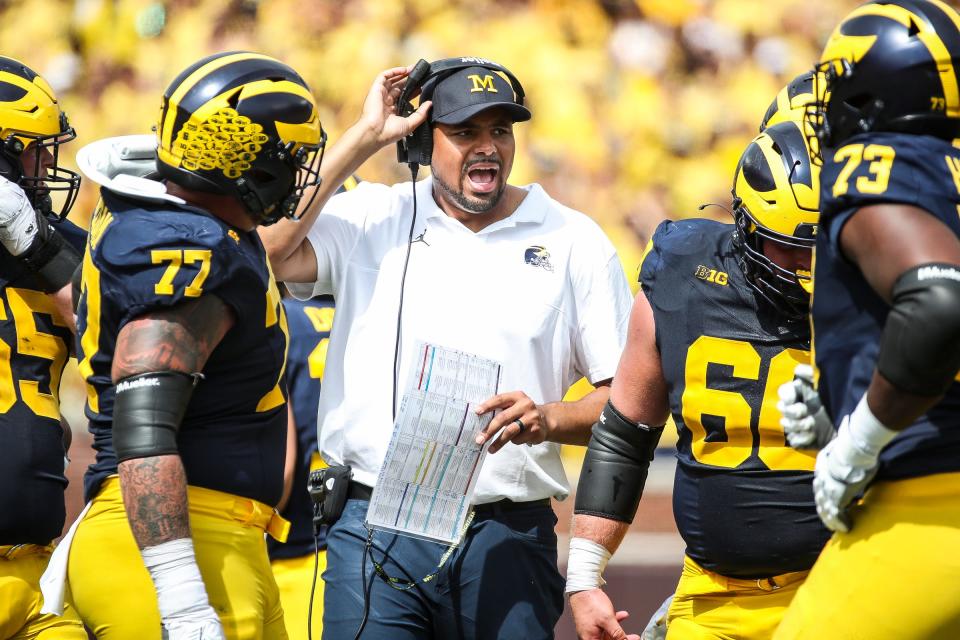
(11, 165)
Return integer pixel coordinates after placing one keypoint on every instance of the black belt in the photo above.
(359, 491)
(509, 505)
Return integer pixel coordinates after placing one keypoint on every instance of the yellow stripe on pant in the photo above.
(20, 599)
(112, 590)
(710, 606)
(895, 575)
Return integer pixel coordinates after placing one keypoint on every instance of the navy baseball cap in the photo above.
(462, 95)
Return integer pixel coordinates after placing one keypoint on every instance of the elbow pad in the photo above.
(615, 467)
(920, 346)
(147, 411)
(50, 257)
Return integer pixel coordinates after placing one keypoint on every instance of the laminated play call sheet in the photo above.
(426, 482)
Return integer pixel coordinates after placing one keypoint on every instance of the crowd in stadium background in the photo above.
(642, 107)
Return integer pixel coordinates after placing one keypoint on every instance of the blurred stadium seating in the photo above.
(641, 109)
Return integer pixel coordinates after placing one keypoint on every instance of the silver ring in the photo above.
(521, 425)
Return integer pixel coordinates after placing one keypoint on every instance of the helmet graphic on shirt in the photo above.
(538, 256)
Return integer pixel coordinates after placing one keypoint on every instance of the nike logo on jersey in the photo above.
(711, 275)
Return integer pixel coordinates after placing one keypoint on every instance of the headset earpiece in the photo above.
(409, 149)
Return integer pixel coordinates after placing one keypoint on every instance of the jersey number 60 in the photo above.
(735, 409)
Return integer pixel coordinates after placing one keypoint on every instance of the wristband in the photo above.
(867, 434)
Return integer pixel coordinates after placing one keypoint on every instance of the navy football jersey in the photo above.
(848, 317)
(34, 347)
(144, 257)
(742, 497)
(310, 322)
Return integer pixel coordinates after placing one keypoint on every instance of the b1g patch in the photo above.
(711, 275)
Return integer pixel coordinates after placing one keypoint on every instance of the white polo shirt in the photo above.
(542, 292)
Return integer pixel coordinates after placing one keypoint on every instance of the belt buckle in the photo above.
(767, 584)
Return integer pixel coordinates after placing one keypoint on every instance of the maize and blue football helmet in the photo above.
(246, 125)
(31, 120)
(776, 196)
(890, 65)
(791, 102)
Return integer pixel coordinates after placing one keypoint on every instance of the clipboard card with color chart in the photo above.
(426, 483)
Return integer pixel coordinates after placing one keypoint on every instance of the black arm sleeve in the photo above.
(50, 257)
(76, 281)
(920, 346)
(615, 467)
(147, 413)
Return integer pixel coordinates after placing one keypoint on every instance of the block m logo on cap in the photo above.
(482, 83)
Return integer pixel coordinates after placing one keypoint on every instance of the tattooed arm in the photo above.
(154, 488)
(180, 339)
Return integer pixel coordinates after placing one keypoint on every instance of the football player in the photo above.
(34, 345)
(719, 326)
(183, 344)
(886, 320)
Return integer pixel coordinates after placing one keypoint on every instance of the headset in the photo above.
(417, 148)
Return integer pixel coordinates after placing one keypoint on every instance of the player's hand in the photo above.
(842, 472)
(520, 421)
(805, 421)
(595, 617)
(380, 108)
(657, 627)
(18, 220)
(201, 629)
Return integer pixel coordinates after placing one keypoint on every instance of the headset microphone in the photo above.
(714, 204)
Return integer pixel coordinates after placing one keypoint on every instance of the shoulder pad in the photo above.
(123, 164)
(673, 241)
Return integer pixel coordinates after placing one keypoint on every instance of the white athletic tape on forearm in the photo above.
(585, 565)
(176, 577)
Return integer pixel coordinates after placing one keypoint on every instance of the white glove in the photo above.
(18, 220)
(185, 611)
(847, 465)
(657, 627)
(804, 421)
